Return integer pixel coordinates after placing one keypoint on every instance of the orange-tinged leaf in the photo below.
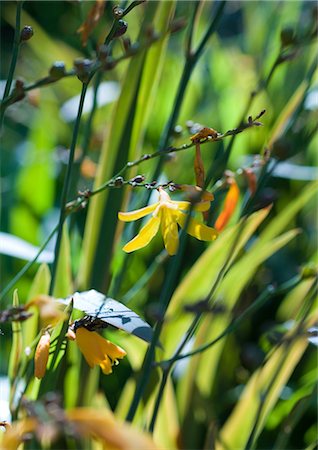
(92, 20)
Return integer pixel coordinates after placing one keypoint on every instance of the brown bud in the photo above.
(83, 69)
(138, 179)
(26, 33)
(118, 12)
(121, 28)
(119, 181)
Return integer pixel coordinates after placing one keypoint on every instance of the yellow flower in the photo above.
(42, 355)
(97, 350)
(169, 215)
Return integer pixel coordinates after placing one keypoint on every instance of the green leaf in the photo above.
(119, 146)
(269, 379)
(17, 343)
(40, 286)
(198, 281)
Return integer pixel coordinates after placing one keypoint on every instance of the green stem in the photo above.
(15, 52)
(66, 185)
(263, 298)
(168, 288)
(25, 268)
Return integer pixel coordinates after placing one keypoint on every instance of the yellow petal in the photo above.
(137, 214)
(144, 237)
(169, 229)
(182, 204)
(97, 350)
(202, 206)
(197, 229)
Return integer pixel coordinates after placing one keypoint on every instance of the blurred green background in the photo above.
(37, 134)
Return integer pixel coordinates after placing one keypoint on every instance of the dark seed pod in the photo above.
(119, 181)
(118, 12)
(26, 33)
(83, 69)
(138, 179)
(57, 71)
(121, 28)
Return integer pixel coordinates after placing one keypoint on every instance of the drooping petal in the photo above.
(202, 206)
(97, 350)
(197, 229)
(169, 230)
(144, 236)
(184, 205)
(137, 214)
(230, 203)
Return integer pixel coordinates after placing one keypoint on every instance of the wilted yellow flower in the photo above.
(169, 215)
(14, 434)
(97, 350)
(89, 423)
(42, 355)
(115, 435)
(50, 311)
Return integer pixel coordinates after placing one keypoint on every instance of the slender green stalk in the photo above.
(67, 183)
(287, 343)
(25, 268)
(14, 58)
(167, 291)
(263, 298)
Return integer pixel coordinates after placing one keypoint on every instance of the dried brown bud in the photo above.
(26, 33)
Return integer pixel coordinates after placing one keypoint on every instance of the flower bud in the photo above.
(138, 179)
(83, 69)
(26, 33)
(177, 130)
(287, 36)
(103, 52)
(127, 44)
(121, 28)
(41, 356)
(118, 181)
(117, 12)
(57, 71)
